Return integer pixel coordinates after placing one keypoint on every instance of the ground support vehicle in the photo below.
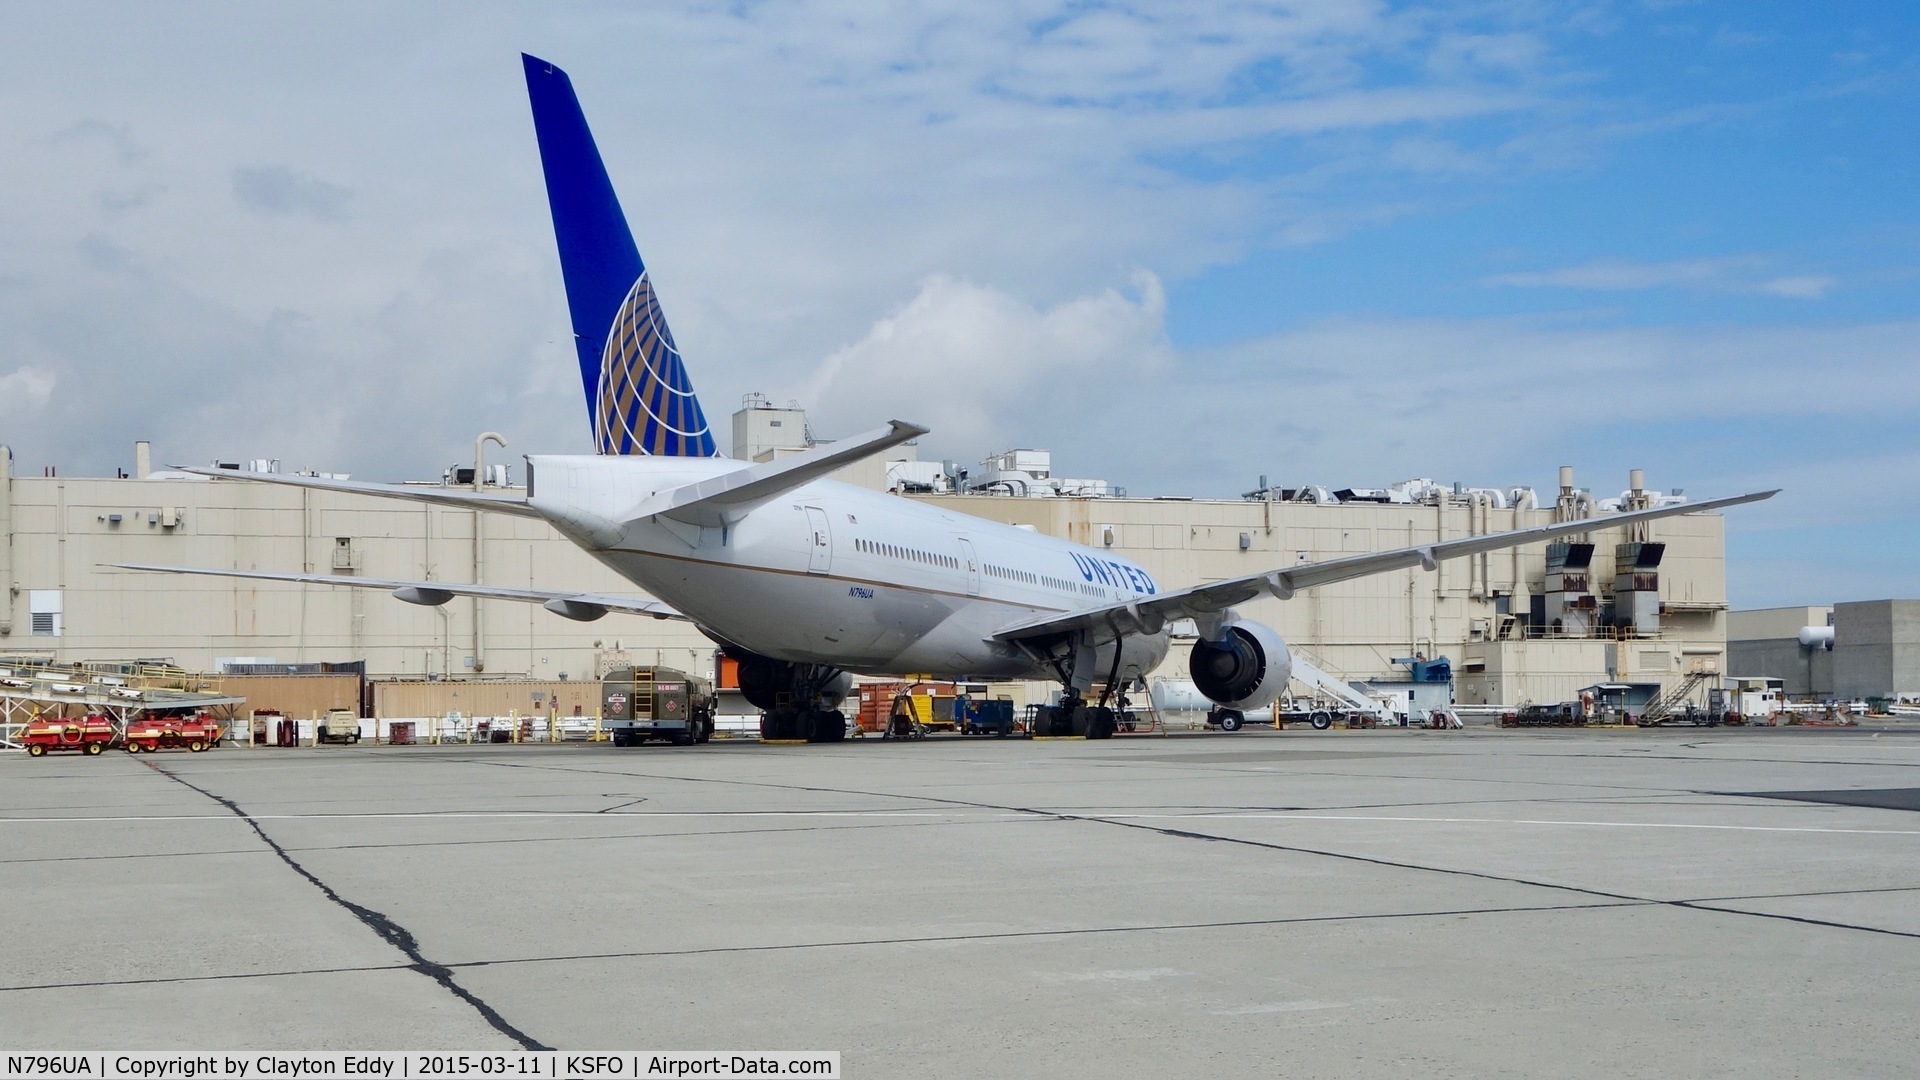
(340, 726)
(993, 717)
(641, 703)
(148, 734)
(1319, 717)
(1562, 714)
(88, 734)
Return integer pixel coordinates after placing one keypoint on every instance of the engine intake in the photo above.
(1248, 669)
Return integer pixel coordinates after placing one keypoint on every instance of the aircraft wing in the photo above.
(722, 499)
(1147, 614)
(578, 606)
(420, 493)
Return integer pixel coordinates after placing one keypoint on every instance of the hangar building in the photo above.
(1531, 625)
(1864, 649)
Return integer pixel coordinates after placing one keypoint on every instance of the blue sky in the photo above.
(1181, 245)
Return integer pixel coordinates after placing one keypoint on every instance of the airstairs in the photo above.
(1674, 698)
(1308, 674)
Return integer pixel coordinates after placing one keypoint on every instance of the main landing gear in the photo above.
(1073, 716)
(796, 701)
(787, 724)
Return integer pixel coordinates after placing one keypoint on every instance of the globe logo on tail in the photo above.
(646, 403)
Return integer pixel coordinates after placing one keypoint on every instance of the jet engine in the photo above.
(763, 679)
(1248, 669)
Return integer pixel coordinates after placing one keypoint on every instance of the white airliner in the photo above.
(805, 580)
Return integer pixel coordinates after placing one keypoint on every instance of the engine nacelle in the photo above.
(1248, 670)
(835, 693)
(763, 680)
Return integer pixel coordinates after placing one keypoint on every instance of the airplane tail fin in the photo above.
(638, 395)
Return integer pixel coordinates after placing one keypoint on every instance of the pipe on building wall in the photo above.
(479, 543)
(7, 583)
(1478, 524)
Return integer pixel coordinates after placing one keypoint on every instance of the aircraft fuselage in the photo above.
(830, 573)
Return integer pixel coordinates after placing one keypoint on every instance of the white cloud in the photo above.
(25, 388)
(1728, 274)
(276, 189)
(1803, 287)
(1503, 401)
(985, 369)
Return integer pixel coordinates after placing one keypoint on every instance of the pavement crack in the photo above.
(1079, 931)
(389, 931)
(1624, 898)
(850, 943)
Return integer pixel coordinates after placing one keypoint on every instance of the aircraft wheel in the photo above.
(829, 726)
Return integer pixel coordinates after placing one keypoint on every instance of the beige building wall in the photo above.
(1780, 623)
(300, 696)
(488, 698)
(63, 533)
(60, 531)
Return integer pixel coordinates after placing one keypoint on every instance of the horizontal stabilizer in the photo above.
(723, 499)
(438, 496)
(581, 607)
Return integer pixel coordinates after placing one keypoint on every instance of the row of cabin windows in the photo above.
(932, 558)
(1011, 574)
(895, 551)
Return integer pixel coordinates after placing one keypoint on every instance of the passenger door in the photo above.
(973, 566)
(819, 543)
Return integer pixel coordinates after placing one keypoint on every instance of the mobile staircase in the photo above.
(1671, 701)
(1308, 674)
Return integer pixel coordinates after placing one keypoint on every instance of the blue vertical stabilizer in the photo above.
(639, 398)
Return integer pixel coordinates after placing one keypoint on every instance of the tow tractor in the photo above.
(151, 733)
(87, 734)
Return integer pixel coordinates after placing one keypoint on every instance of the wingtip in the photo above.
(908, 428)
